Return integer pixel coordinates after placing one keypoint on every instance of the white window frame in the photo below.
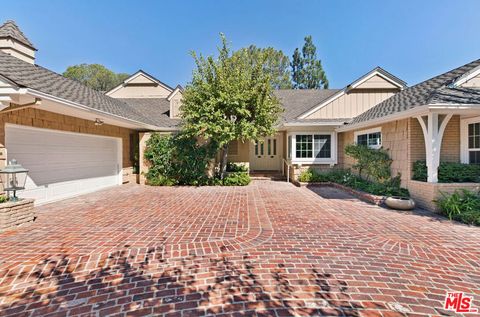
(464, 150)
(369, 131)
(311, 160)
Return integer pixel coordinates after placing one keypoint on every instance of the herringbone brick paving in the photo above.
(268, 249)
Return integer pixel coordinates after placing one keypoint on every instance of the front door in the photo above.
(265, 154)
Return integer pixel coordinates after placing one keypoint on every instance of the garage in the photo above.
(63, 164)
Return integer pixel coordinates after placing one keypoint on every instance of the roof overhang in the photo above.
(414, 112)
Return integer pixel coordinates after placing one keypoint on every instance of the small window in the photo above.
(289, 154)
(269, 147)
(256, 147)
(274, 146)
(474, 143)
(371, 139)
(261, 148)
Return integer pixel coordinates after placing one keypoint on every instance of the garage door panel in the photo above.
(62, 164)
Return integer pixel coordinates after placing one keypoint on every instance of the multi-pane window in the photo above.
(474, 143)
(313, 146)
(372, 140)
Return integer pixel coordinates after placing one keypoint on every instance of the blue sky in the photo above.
(414, 40)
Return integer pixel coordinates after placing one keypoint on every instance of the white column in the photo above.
(433, 132)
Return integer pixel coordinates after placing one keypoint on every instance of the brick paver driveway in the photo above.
(266, 249)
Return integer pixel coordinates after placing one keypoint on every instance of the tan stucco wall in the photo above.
(49, 120)
(352, 103)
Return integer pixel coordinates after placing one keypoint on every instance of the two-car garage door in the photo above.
(63, 164)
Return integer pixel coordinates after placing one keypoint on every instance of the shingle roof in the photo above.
(38, 78)
(434, 90)
(157, 109)
(298, 101)
(11, 30)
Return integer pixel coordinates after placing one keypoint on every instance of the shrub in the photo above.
(390, 187)
(3, 199)
(236, 179)
(375, 163)
(236, 167)
(177, 159)
(448, 172)
(462, 206)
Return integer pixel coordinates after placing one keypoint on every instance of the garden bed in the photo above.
(13, 214)
(363, 196)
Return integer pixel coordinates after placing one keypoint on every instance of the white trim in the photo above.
(372, 74)
(395, 116)
(464, 151)
(118, 139)
(353, 85)
(333, 148)
(369, 131)
(466, 77)
(308, 124)
(173, 93)
(135, 75)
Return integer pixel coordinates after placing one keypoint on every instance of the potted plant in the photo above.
(400, 202)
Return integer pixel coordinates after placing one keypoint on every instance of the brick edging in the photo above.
(366, 197)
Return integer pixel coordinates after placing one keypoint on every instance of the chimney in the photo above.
(15, 43)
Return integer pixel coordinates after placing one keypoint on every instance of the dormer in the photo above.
(175, 99)
(15, 43)
(141, 85)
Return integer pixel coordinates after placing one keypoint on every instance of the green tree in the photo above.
(230, 98)
(95, 76)
(276, 64)
(307, 70)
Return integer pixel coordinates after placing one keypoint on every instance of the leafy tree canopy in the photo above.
(307, 70)
(230, 98)
(276, 64)
(95, 76)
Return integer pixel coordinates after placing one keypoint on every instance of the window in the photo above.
(371, 138)
(314, 146)
(474, 143)
(289, 154)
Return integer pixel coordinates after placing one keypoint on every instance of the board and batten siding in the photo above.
(352, 103)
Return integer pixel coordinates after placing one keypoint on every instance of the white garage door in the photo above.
(63, 164)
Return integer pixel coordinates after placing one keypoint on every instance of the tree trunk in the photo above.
(223, 163)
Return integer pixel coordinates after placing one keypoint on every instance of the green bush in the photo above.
(177, 160)
(389, 187)
(372, 164)
(3, 199)
(236, 179)
(448, 172)
(236, 167)
(462, 206)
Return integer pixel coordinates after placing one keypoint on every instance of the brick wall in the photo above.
(49, 120)
(424, 193)
(13, 214)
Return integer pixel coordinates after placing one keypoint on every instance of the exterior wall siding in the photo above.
(352, 104)
(48, 120)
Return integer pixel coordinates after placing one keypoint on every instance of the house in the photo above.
(75, 140)
(72, 139)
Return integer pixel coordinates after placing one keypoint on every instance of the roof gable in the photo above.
(378, 76)
(439, 89)
(10, 30)
(139, 78)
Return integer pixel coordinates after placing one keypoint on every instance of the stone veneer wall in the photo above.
(13, 214)
(48, 120)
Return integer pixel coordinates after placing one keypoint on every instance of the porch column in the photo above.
(433, 126)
